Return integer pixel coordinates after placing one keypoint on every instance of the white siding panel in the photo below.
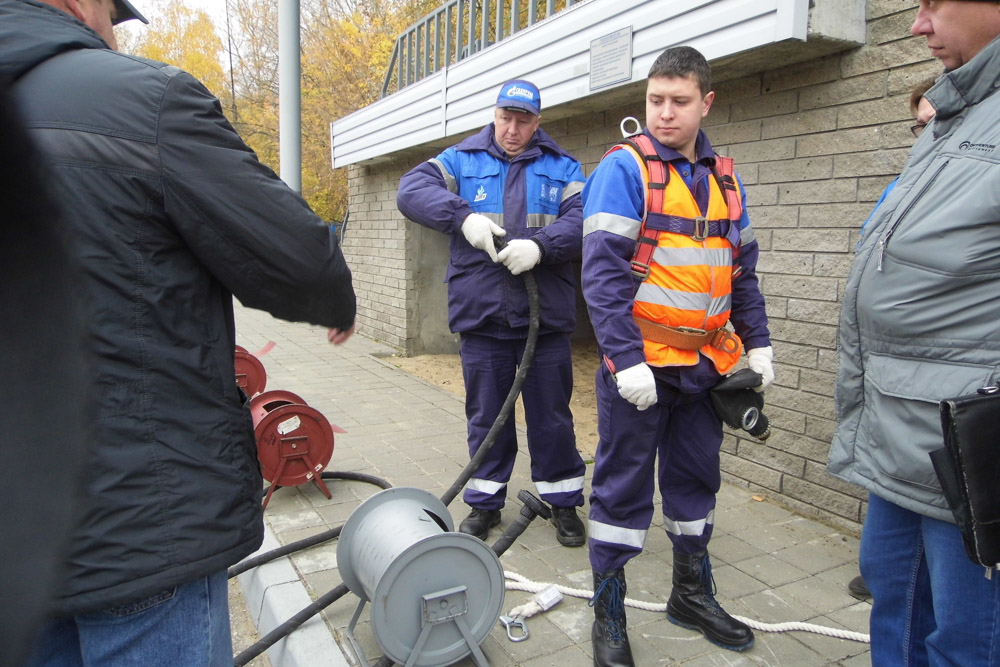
(555, 55)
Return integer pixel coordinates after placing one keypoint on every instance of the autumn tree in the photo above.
(180, 36)
(346, 46)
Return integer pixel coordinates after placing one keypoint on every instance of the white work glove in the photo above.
(759, 360)
(520, 255)
(479, 232)
(637, 385)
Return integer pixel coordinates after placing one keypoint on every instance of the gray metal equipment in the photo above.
(435, 594)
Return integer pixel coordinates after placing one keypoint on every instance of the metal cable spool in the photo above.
(294, 441)
(435, 594)
(250, 374)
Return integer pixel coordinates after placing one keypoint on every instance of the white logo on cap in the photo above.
(515, 91)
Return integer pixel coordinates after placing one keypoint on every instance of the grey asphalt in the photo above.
(770, 564)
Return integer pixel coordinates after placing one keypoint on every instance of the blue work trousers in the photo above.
(187, 625)
(489, 366)
(931, 605)
(684, 432)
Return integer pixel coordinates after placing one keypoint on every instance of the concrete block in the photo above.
(847, 216)
(803, 122)
(841, 141)
(802, 287)
(871, 58)
(874, 163)
(843, 91)
(796, 263)
(810, 310)
(837, 190)
(804, 169)
(802, 75)
(773, 104)
(818, 382)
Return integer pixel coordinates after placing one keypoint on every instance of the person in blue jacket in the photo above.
(511, 180)
(665, 343)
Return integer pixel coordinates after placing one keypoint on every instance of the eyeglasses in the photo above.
(917, 129)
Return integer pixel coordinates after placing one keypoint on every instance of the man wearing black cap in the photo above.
(511, 181)
(169, 215)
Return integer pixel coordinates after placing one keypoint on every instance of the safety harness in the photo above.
(699, 229)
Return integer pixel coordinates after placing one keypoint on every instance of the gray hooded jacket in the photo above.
(921, 310)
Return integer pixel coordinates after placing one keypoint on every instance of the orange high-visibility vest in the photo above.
(685, 264)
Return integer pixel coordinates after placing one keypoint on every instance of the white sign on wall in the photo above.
(611, 59)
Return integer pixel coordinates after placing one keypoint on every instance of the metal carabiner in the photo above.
(515, 622)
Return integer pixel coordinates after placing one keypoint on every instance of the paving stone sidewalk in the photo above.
(770, 564)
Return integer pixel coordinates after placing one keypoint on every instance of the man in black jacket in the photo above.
(169, 215)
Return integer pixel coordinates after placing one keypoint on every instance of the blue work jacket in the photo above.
(535, 195)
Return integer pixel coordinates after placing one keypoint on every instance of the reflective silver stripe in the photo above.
(668, 298)
(449, 180)
(693, 257)
(86, 146)
(572, 188)
(695, 528)
(563, 486)
(540, 219)
(485, 486)
(497, 218)
(661, 296)
(747, 235)
(612, 223)
(605, 532)
(720, 305)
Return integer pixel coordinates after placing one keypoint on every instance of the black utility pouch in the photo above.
(968, 468)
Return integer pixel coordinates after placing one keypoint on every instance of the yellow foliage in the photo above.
(345, 50)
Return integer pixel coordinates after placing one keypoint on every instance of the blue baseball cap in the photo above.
(520, 95)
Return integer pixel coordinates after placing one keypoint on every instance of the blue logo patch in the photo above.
(480, 194)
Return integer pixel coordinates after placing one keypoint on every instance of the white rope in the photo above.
(515, 582)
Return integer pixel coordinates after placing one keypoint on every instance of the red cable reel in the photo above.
(250, 374)
(294, 441)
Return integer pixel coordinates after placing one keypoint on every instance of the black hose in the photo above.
(505, 411)
(313, 540)
(508, 405)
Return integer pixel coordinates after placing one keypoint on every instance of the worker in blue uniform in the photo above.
(669, 262)
(512, 181)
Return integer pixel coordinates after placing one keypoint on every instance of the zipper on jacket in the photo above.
(883, 243)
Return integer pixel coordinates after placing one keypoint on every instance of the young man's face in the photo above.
(514, 130)
(956, 30)
(674, 109)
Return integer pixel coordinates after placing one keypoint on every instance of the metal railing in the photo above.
(456, 30)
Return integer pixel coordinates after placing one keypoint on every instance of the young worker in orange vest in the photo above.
(668, 260)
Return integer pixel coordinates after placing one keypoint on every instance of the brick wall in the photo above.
(815, 144)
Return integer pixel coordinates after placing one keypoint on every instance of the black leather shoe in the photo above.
(479, 522)
(569, 529)
(858, 588)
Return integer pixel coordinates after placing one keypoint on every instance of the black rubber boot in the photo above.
(611, 647)
(569, 529)
(479, 522)
(692, 604)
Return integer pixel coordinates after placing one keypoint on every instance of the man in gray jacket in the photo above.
(169, 215)
(920, 323)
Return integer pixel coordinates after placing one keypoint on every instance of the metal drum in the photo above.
(435, 594)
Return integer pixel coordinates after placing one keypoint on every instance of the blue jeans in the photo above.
(931, 605)
(187, 625)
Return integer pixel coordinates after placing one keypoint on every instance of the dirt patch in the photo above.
(445, 371)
